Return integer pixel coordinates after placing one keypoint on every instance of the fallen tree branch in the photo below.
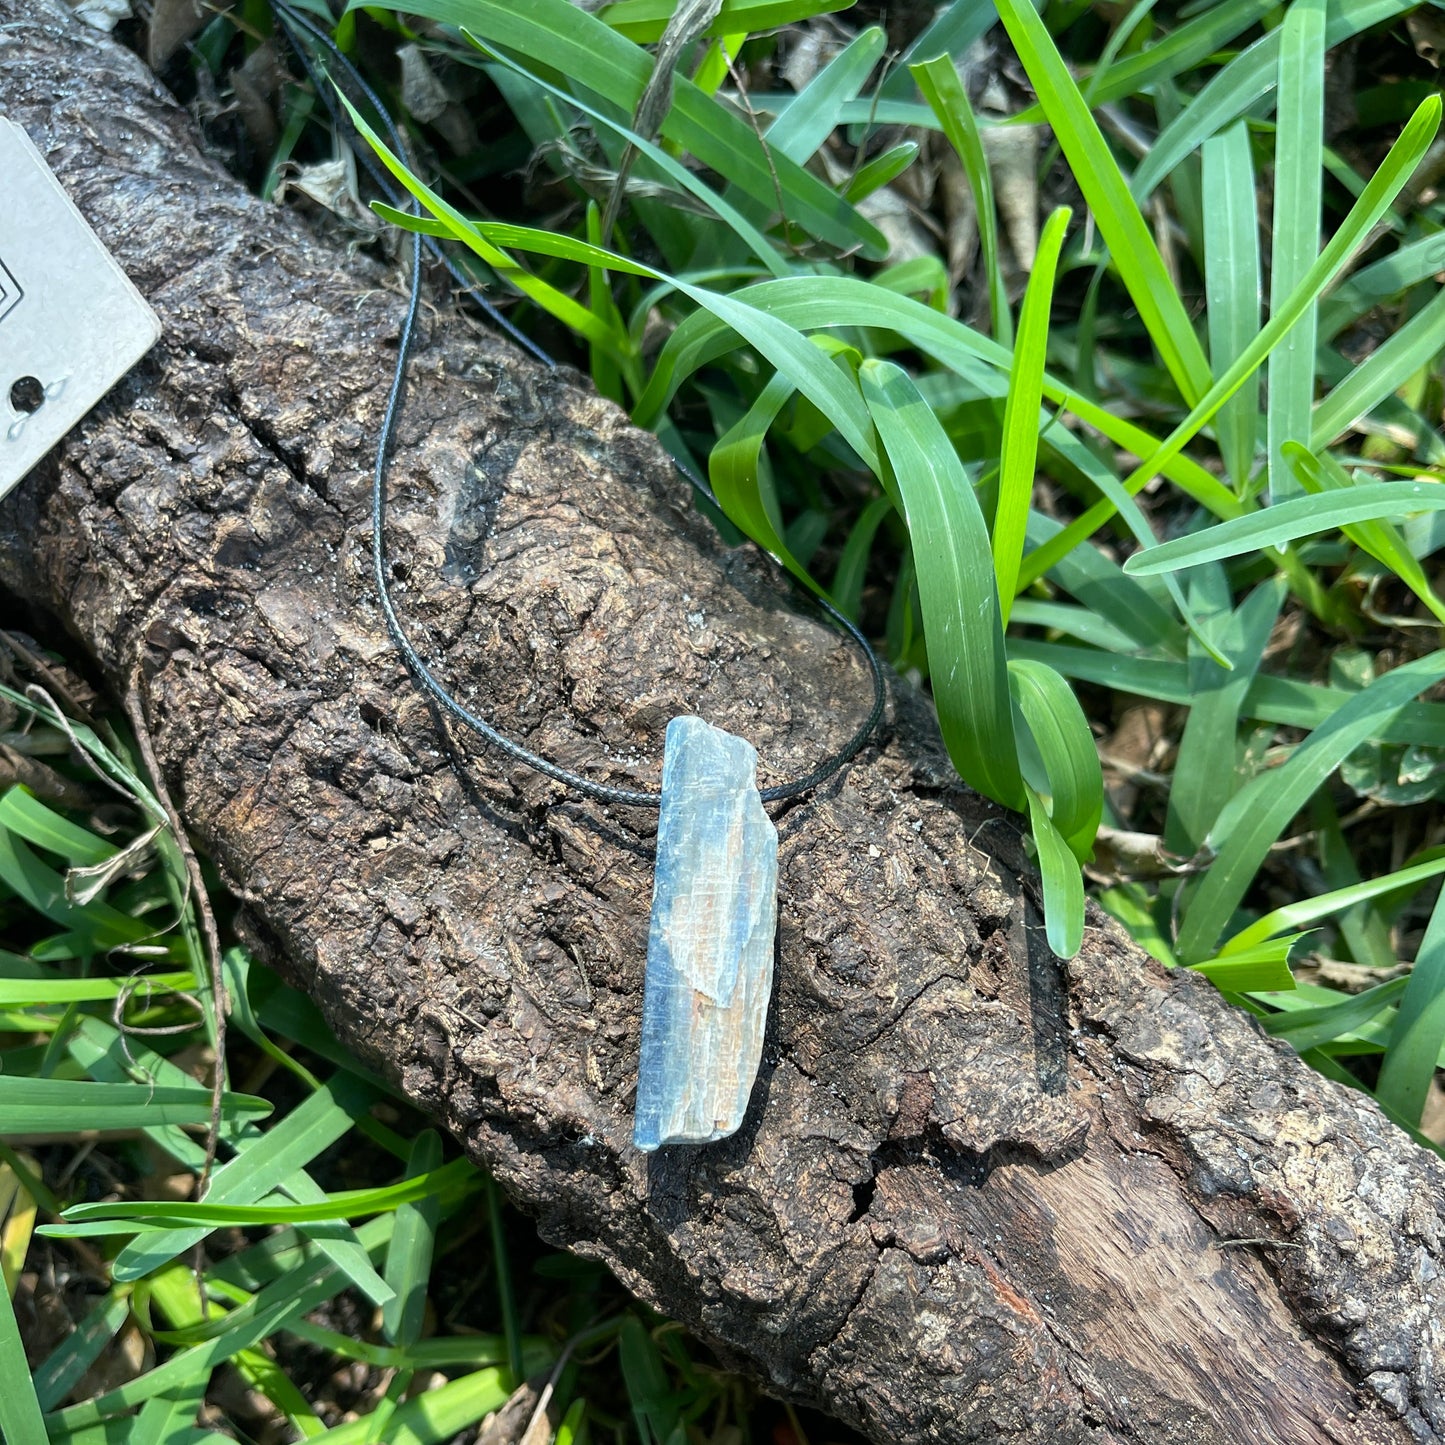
(980, 1195)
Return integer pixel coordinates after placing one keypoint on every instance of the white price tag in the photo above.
(71, 323)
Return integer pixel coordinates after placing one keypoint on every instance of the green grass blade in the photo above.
(654, 1402)
(1308, 1028)
(817, 302)
(1294, 916)
(273, 1308)
(63, 1368)
(430, 1418)
(1382, 280)
(1063, 882)
(1099, 584)
(170, 1417)
(1383, 187)
(1405, 352)
(735, 469)
(962, 620)
(874, 174)
(263, 1375)
(1287, 522)
(1073, 451)
(1125, 232)
(58, 1106)
(835, 395)
(736, 210)
(547, 297)
(955, 26)
(1381, 540)
(569, 1431)
(1253, 970)
(20, 1419)
(1363, 930)
(1179, 51)
(565, 40)
(283, 1010)
(1247, 78)
(853, 561)
(281, 1152)
(1419, 1029)
(1260, 811)
(1071, 784)
(1204, 771)
(1231, 260)
(413, 1247)
(429, 1354)
(1130, 904)
(286, 1250)
(110, 1057)
(605, 363)
(940, 86)
(1076, 622)
(643, 21)
(1298, 155)
(808, 122)
(555, 301)
(52, 991)
(342, 1204)
(97, 927)
(1018, 465)
(1279, 700)
(502, 1268)
(25, 814)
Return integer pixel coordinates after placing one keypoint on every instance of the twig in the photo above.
(207, 918)
(577, 1342)
(745, 101)
(688, 21)
(39, 666)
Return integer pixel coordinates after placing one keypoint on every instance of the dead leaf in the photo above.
(809, 49)
(1427, 30)
(255, 83)
(507, 1425)
(1131, 755)
(102, 14)
(1012, 152)
(1122, 854)
(421, 92)
(908, 238)
(173, 22)
(332, 185)
(961, 214)
(1432, 1123)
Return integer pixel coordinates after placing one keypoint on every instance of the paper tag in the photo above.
(71, 323)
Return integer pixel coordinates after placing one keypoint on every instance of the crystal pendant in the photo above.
(710, 949)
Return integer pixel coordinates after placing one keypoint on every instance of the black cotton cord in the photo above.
(293, 20)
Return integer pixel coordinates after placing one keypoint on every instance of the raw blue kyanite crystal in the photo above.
(710, 952)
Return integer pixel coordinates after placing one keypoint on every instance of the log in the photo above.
(980, 1195)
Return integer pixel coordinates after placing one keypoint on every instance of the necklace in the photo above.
(709, 970)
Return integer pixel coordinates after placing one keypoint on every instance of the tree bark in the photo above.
(980, 1195)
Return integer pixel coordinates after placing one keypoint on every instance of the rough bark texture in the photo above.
(980, 1195)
